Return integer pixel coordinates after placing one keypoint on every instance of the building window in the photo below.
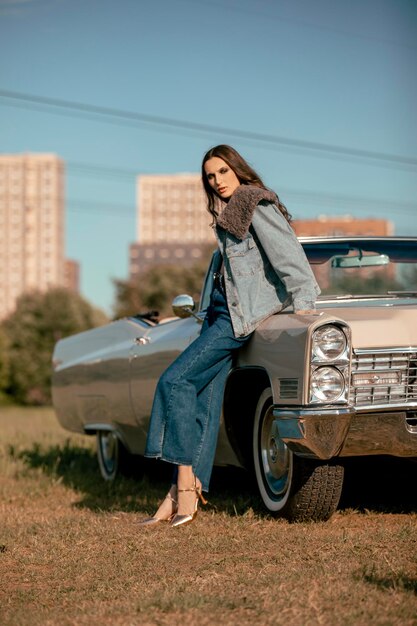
(196, 253)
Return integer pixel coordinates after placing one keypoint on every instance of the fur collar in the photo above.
(236, 216)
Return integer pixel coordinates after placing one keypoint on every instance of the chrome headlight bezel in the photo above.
(329, 343)
(330, 356)
(322, 379)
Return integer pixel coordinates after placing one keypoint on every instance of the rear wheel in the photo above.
(112, 456)
(296, 488)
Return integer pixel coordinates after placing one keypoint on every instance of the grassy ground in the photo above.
(71, 551)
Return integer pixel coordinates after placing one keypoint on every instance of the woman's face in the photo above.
(221, 177)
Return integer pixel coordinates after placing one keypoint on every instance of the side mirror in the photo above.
(183, 306)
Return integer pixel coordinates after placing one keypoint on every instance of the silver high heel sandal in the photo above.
(152, 521)
(181, 520)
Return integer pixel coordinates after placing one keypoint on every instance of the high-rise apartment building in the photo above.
(172, 208)
(31, 225)
(173, 222)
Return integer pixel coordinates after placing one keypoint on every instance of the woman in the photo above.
(261, 268)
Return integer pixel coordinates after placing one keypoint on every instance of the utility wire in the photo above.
(97, 206)
(304, 196)
(354, 203)
(102, 171)
(71, 107)
(307, 196)
(320, 198)
(298, 22)
(335, 201)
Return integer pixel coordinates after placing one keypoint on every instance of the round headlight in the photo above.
(329, 343)
(327, 384)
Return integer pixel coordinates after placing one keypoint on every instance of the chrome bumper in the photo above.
(326, 433)
(314, 433)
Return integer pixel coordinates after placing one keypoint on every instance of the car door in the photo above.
(151, 356)
(153, 352)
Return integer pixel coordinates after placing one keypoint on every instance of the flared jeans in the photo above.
(188, 400)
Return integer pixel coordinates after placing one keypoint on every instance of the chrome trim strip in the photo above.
(98, 426)
(354, 238)
(384, 350)
(325, 411)
(377, 408)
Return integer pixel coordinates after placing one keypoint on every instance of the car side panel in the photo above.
(90, 382)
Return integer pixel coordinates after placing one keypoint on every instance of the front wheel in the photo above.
(112, 456)
(296, 488)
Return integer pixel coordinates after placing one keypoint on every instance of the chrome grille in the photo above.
(384, 378)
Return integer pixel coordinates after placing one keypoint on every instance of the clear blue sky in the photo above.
(325, 73)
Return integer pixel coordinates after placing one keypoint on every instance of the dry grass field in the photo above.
(71, 551)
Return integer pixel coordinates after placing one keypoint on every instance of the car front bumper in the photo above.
(330, 432)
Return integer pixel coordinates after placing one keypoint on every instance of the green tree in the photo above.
(359, 285)
(4, 361)
(408, 277)
(155, 289)
(39, 321)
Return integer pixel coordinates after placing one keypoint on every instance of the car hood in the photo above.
(379, 326)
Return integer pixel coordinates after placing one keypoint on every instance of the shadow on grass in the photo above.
(380, 484)
(394, 582)
(141, 491)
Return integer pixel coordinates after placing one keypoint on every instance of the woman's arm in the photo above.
(286, 256)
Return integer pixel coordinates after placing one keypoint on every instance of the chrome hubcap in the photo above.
(108, 445)
(273, 450)
(275, 456)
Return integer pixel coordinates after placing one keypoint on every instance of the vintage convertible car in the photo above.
(304, 393)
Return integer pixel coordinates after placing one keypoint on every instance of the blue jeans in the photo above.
(188, 399)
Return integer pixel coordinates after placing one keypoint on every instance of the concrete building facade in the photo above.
(172, 208)
(343, 226)
(31, 225)
(173, 222)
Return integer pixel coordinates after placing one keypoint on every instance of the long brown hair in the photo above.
(245, 173)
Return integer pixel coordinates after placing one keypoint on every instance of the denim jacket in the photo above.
(265, 267)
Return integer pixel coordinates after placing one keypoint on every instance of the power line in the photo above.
(275, 141)
(335, 201)
(353, 202)
(102, 171)
(96, 206)
(306, 196)
(303, 23)
(102, 212)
